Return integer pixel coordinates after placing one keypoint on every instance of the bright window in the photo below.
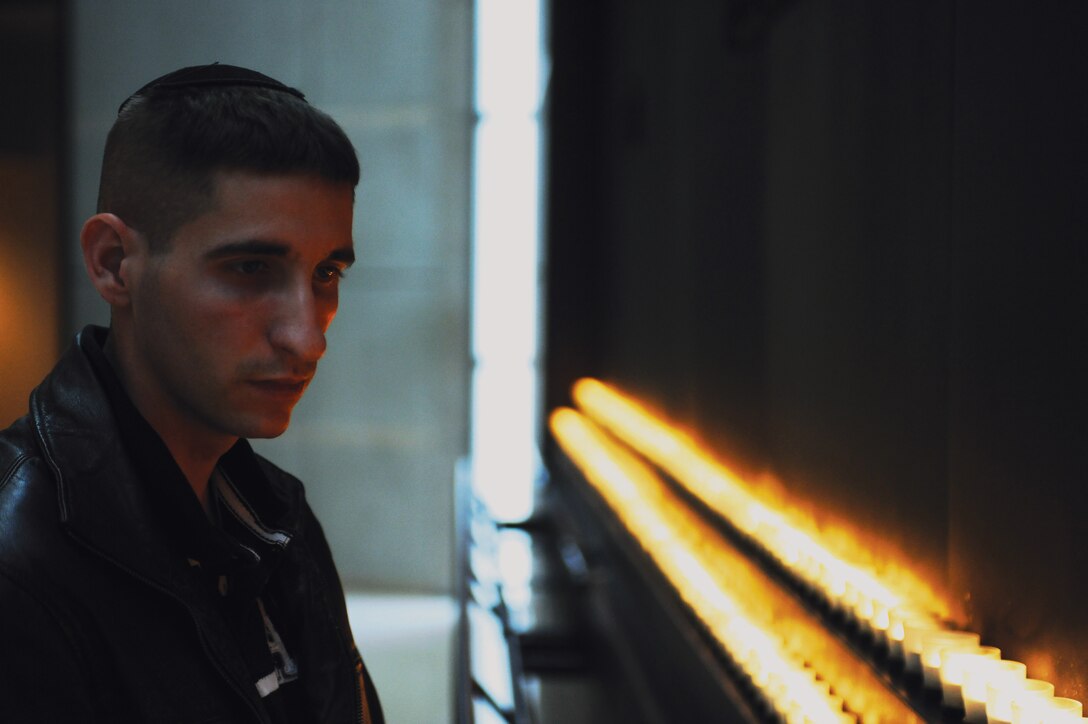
(510, 72)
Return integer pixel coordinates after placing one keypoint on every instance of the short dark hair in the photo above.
(170, 140)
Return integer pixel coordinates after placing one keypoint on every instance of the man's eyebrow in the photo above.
(345, 255)
(260, 248)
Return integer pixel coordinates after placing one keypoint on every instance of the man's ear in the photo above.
(107, 243)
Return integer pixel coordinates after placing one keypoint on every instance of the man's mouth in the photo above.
(282, 386)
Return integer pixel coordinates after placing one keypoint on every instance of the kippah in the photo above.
(196, 76)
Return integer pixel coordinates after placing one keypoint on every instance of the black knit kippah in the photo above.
(196, 76)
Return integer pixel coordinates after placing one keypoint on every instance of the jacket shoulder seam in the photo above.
(15, 464)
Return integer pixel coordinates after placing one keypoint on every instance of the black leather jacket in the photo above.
(100, 621)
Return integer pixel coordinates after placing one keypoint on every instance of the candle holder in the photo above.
(1061, 710)
(1002, 697)
(977, 677)
(954, 667)
(914, 629)
(934, 643)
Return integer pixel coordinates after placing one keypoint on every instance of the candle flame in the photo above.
(755, 623)
(847, 584)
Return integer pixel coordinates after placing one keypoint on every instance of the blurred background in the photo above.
(841, 244)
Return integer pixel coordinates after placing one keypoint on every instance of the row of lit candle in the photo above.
(970, 677)
(788, 688)
(848, 589)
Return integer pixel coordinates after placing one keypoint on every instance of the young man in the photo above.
(152, 567)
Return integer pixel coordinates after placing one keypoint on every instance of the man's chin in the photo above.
(266, 436)
(265, 429)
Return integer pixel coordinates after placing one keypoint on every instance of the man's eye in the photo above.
(251, 266)
(328, 274)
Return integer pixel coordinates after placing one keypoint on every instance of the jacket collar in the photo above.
(103, 500)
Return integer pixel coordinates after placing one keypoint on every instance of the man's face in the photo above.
(228, 322)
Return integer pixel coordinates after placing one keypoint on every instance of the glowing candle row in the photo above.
(848, 589)
(974, 678)
(788, 688)
(969, 676)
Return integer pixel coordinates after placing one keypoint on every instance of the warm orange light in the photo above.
(29, 303)
(957, 666)
(979, 677)
(907, 618)
(719, 585)
(847, 587)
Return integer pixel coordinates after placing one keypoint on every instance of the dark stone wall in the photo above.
(1018, 473)
(844, 243)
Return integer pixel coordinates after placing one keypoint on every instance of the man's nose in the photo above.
(299, 328)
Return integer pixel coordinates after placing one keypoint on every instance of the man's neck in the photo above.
(196, 454)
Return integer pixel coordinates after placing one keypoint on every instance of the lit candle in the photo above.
(1040, 708)
(881, 623)
(1001, 696)
(954, 665)
(836, 704)
(977, 676)
(833, 582)
(774, 690)
(815, 710)
(872, 607)
(831, 717)
(851, 597)
(810, 569)
(790, 690)
(913, 628)
(1061, 710)
(808, 696)
(934, 643)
